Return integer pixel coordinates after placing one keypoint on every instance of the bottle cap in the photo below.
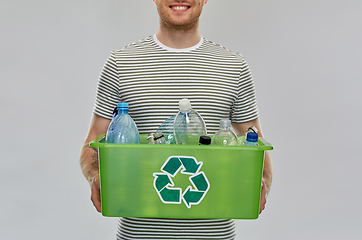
(184, 104)
(252, 137)
(225, 122)
(205, 140)
(122, 105)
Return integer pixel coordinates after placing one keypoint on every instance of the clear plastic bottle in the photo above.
(122, 128)
(251, 139)
(188, 125)
(225, 136)
(159, 138)
(167, 129)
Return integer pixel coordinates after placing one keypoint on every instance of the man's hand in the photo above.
(263, 196)
(89, 158)
(95, 194)
(240, 129)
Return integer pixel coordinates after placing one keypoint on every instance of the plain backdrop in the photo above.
(305, 56)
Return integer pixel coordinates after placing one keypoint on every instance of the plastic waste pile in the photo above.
(187, 127)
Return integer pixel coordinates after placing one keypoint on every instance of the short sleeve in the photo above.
(107, 94)
(245, 107)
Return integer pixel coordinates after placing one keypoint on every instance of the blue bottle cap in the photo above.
(122, 105)
(252, 137)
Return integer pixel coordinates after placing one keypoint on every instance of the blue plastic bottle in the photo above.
(122, 128)
(251, 139)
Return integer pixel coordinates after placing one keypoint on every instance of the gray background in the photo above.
(306, 60)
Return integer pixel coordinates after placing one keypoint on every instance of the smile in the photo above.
(179, 8)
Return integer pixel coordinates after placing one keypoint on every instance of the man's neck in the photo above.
(178, 39)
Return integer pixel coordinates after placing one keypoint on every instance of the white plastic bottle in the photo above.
(122, 128)
(251, 139)
(225, 136)
(188, 124)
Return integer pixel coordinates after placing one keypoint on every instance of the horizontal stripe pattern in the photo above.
(149, 228)
(152, 80)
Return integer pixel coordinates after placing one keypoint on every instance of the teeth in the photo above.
(180, 8)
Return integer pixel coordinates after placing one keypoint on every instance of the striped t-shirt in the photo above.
(152, 78)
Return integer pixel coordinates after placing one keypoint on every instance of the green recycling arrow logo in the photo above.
(163, 183)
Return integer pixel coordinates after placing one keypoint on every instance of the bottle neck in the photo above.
(225, 128)
(122, 110)
(187, 111)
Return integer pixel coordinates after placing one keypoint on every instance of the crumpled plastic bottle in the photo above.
(167, 129)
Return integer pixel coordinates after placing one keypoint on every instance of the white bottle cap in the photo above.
(184, 104)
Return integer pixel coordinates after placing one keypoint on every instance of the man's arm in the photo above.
(89, 158)
(240, 129)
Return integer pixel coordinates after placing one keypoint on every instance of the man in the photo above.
(152, 75)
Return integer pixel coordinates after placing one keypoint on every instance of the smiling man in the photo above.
(152, 75)
(179, 22)
(179, 15)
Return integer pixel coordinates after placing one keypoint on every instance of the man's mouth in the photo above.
(179, 7)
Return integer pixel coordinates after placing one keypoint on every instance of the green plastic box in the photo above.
(180, 181)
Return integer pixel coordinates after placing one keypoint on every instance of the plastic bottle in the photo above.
(167, 129)
(225, 136)
(188, 124)
(151, 138)
(251, 139)
(205, 140)
(159, 138)
(122, 128)
(252, 129)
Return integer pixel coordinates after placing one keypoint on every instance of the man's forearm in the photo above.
(89, 162)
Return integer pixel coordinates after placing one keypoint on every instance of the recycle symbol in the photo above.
(163, 183)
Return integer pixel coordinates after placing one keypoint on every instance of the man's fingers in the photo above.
(263, 196)
(95, 194)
